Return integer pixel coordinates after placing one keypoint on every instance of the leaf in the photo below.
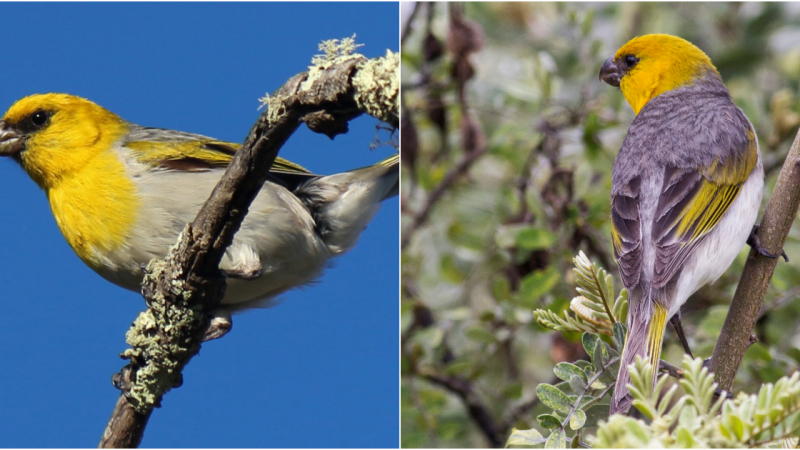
(589, 340)
(596, 413)
(684, 438)
(620, 331)
(449, 270)
(513, 391)
(548, 421)
(524, 438)
(557, 439)
(577, 384)
(591, 312)
(736, 426)
(506, 235)
(599, 355)
(535, 239)
(566, 370)
(577, 419)
(553, 398)
(597, 384)
(538, 283)
(758, 352)
(480, 334)
(620, 309)
(576, 440)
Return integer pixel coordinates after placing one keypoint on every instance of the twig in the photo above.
(426, 418)
(778, 217)
(436, 194)
(594, 378)
(479, 413)
(407, 26)
(673, 371)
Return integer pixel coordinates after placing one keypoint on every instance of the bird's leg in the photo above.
(242, 261)
(219, 326)
(676, 324)
(754, 242)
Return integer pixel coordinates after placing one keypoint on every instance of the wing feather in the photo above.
(626, 232)
(180, 151)
(690, 205)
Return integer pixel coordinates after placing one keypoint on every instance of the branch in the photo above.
(778, 217)
(479, 413)
(187, 285)
(407, 26)
(436, 194)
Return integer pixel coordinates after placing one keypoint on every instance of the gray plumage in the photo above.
(661, 170)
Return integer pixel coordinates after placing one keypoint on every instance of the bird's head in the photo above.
(650, 65)
(54, 135)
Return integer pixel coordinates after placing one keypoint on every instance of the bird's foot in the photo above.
(219, 326)
(754, 242)
(244, 262)
(719, 392)
(245, 273)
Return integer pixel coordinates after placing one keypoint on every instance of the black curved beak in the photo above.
(610, 72)
(11, 143)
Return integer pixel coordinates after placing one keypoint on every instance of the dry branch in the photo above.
(781, 211)
(182, 289)
(475, 407)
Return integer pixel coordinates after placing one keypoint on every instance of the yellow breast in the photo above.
(96, 207)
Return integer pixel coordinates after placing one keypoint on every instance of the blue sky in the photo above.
(321, 368)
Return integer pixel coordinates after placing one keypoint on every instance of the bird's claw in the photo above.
(718, 393)
(755, 243)
(220, 325)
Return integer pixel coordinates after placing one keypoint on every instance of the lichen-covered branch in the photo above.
(781, 211)
(183, 288)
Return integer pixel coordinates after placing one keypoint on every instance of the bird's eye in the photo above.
(39, 118)
(631, 61)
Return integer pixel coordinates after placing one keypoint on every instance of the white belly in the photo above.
(278, 229)
(712, 257)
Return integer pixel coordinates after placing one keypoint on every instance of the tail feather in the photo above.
(646, 323)
(392, 166)
(343, 204)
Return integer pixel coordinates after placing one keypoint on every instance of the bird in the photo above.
(121, 194)
(686, 188)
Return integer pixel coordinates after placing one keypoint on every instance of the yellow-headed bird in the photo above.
(121, 194)
(687, 186)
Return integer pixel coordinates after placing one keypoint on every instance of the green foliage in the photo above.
(498, 240)
(771, 417)
(525, 438)
(695, 419)
(596, 310)
(571, 412)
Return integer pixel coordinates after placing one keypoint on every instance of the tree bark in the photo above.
(187, 285)
(781, 211)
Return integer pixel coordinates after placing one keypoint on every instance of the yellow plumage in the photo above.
(121, 193)
(666, 63)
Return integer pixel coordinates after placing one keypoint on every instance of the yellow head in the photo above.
(56, 135)
(650, 65)
(66, 144)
